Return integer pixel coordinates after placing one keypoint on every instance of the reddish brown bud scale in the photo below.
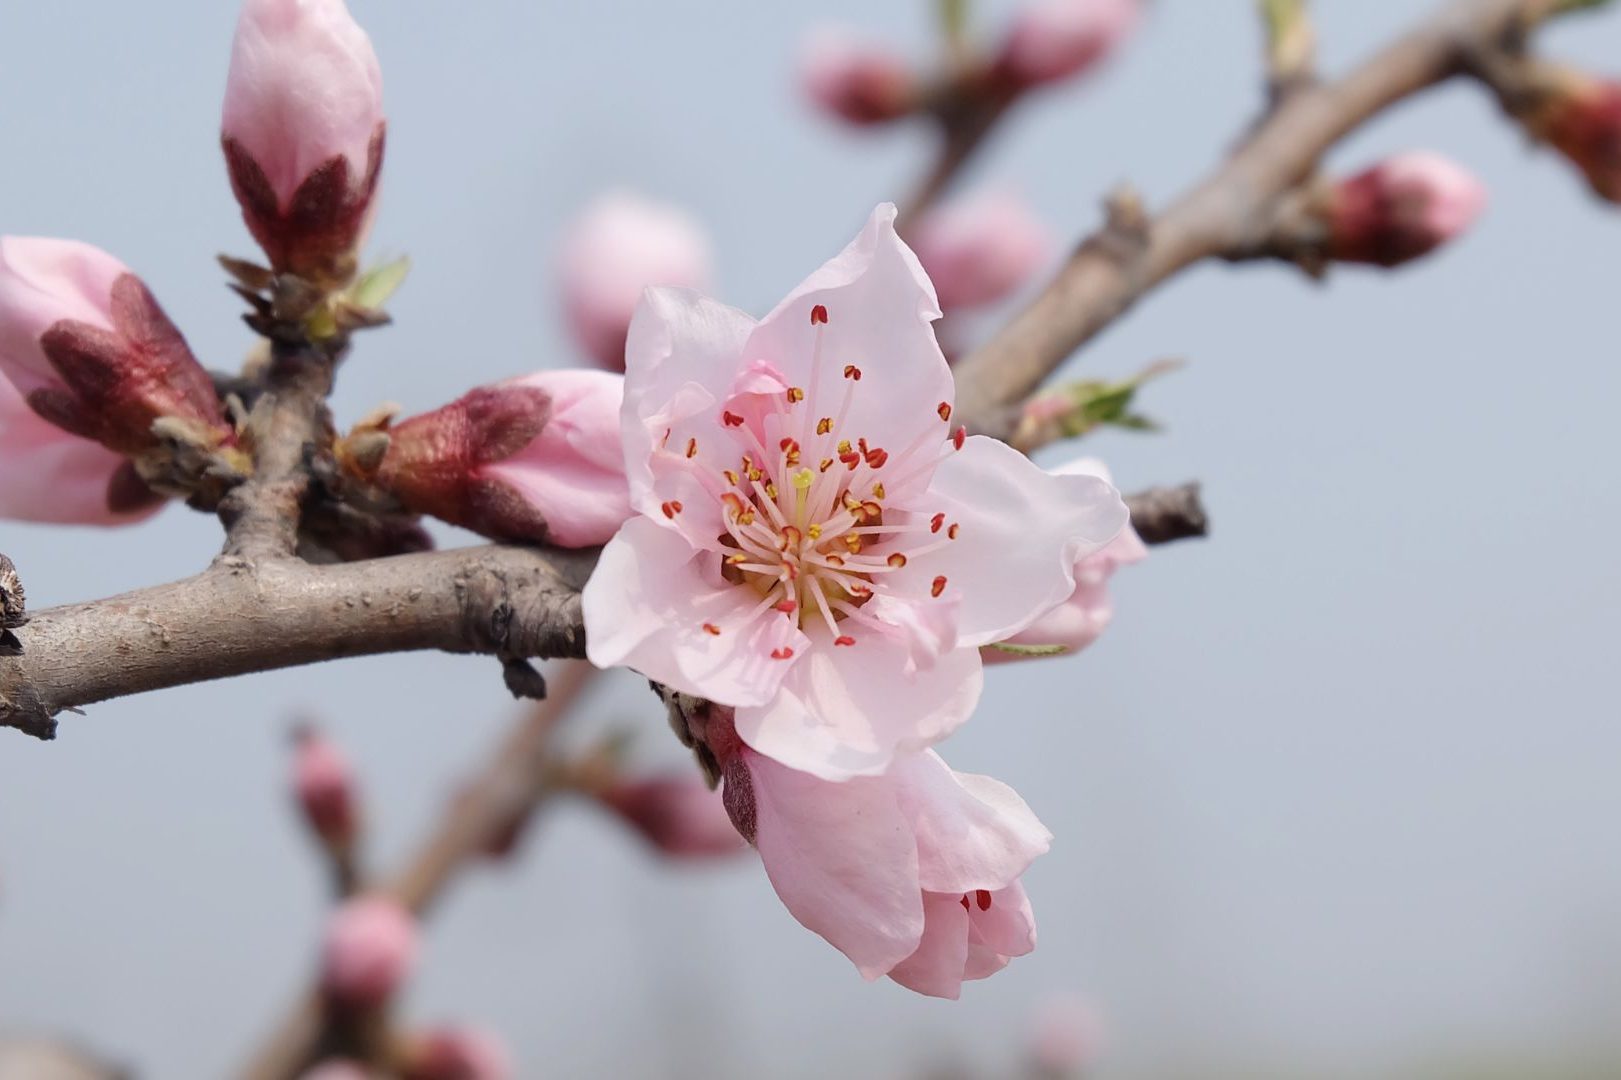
(1584, 124)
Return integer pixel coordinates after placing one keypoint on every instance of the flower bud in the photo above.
(980, 249)
(1582, 120)
(456, 1053)
(621, 245)
(1052, 40)
(88, 347)
(535, 459)
(677, 814)
(855, 81)
(369, 951)
(1065, 1038)
(324, 785)
(56, 478)
(337, 1069)
(1402, 208)
(303, 133)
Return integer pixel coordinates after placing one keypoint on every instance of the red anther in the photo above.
(666, 440)
(871, 511)
(795, 394)
(787, 607)
(896, 560)
(936, 522)
(939, 586)
(827, 463)
(733, 501)
(711, 628)
(692, 448)
(951, 533)
(958, 437)
(731, 419)
(861, 444)
(819, 315)
(824, 425)
(876, 458)
(788, 445)
(783, 653)
(671, 508)
(852, 459)
(983, 899)
(944, 409)
(852, 372)
(844, 639)
(965, 906)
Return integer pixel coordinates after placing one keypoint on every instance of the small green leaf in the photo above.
(377, 285)
(1029, 650)
(954, 19)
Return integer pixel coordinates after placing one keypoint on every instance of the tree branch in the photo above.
(1227, 212)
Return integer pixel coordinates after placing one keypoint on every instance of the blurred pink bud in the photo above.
(1057, 39)
(537, 458)
(86, 344)
(616, 249)
(53, 477)
(303, 133)
(1402, 208)
(1065, 1038)
(337, 1070)
(325, 787)
(369, 951)
(453, 1053)
(1081, 619)
(677, 814)
(1584, 124)
(856, 81)
(980, 249)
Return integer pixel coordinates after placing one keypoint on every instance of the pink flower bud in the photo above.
(88, 347)
(1057, 39)
(978, 250)
(536, 459)
(369, 952)
(337, 1070)
(53, 477)
(676, 814)
(1065, 1037)
(620, 246)
(325, 787)
(1584, 124)
(1402, 208)
(856, 81)
(303, 133)
(453, 1053)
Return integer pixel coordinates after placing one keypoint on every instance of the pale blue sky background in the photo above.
(1337, 795)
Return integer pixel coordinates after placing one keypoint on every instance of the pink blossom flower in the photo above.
(303, 132)
(369, 951)
(1065, 1037)
(813, 542)
(1081, 620)
(84, 342)
(324, 785)
(536, 458)
(1402, 208)
(618, 247)
(1052, 40)
(855, 81)
(1582, 120)
(337, 1069)
(978, 250)
(53, 477)
(457, 1053)
(912, 874)
(676, 814)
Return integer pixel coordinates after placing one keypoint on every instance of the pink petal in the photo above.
(42, 282)
(842, 859)
(880, 307)
(1005, 929)
(849, 711)
(574, 469)
(1022, 532)
(49, 476)
(936, 968)
(973, 832)
(647, 606)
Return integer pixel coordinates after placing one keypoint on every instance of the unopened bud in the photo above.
(1582, 120)
(369, 951)
(536, 459)
(303, 134)
(456, 1053)
(979, 250)
(84, 342)
(1051, 40)
(620, 246)
(337, 1069)
(1402, 208)
(855, 81)
(677, 814)
(324, 785)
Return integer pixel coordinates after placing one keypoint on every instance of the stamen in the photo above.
(731, 477)
(731, 419)
(936, 521)
(878, 491)
(824, 425)
(795, 395)
(844, 639)
(711, 628)
(958, 437)
(951, 533)
(671, 508)
(819, 315)
(945, 411)
(939, 586)
(785, 653)
(852, 373)
(692, 448)
(787, 607)
(983, 898)
(897, 560)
